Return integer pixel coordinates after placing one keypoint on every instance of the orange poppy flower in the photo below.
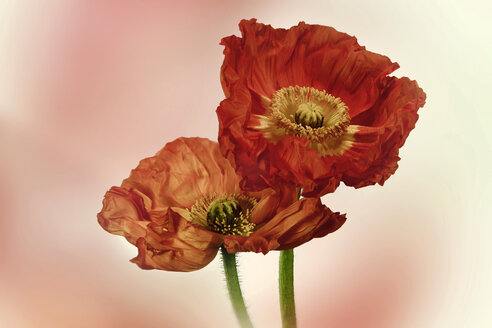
(181, 205)
(310, 106)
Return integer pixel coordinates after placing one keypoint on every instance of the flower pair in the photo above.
(181, 205)
(305, 108)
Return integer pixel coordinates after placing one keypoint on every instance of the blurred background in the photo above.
(88, 88)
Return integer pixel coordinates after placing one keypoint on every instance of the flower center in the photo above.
(223, 212)
(227, 215)
(309, 114)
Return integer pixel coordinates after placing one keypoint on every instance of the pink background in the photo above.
(88, 88)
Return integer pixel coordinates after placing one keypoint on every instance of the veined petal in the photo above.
(165, 240)
(302, 221)
(178, 206)
(182, 172)
(394, 116)
(176, 246)
(267, 149)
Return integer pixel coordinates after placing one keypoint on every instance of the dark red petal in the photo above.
(395, 115)
(265, 59)
(305, 55)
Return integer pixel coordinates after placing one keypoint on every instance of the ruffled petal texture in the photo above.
(165, 240)
(302, 221)
(151, 209)
(383, 109)
(183, 171)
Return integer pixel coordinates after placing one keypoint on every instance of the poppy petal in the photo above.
(304, 220)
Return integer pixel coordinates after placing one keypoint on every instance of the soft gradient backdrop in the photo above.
(90, 87)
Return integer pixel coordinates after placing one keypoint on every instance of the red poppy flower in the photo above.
(310, 106)
(179, 206)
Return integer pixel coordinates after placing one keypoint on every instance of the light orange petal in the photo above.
(177, 246)
(302, 221)
(165, 239)
(182, 172)
(124, 214)
(272, 201)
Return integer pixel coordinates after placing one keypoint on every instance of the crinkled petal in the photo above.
(165, 240)
(244, 148)
(271, 201)
(383, 109)
(304, 220)
(182, 172)
(394, 116)
(305, 55)
(177, 246)
(124, 214)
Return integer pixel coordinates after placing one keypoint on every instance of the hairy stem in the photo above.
(235, 294)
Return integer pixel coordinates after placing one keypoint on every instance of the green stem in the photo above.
(286, 289)
(286, 285)
(230, 271)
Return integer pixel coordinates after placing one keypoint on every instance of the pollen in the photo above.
(226, 214)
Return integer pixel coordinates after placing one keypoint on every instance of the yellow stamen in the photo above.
(227, 215)
(308, 113)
